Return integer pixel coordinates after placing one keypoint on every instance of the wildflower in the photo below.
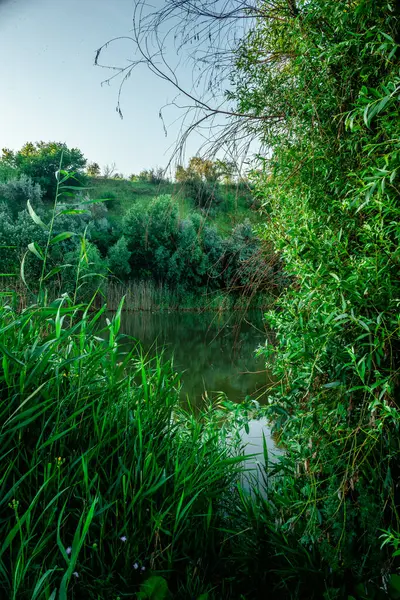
(68, 550)
(143, 569)
(123, 538)
(135, 566)
(76, 574)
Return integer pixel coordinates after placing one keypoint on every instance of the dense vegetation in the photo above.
(330, 70)
(108, 488)
(188, 240)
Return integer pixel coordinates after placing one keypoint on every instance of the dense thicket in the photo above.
(331, 202)
(147, 239)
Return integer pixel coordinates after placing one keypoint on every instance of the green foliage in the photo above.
(16, 192)
(188, 253)
(152, 176)
(200, 181)
(15, 235)
(87, 272)
(167, 241)
(154, 588)
(7, 172)
(328, 97)
(41, 160)
(118, 258)
(93, 169)
(105, 479)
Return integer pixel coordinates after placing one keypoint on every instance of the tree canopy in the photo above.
(41, 160)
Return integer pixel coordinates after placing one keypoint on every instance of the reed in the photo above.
(152, 296)
(105, 479)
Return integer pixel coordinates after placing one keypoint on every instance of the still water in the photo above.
(214, 352)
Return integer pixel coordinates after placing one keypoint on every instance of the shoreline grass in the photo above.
(106, 481)
(148, 296)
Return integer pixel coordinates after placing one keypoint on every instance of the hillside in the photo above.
(237, 203)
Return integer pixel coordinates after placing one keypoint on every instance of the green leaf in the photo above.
(65, 235)
(55, 271)
(333, 384)
(394, 586)
(154, 588)
(36, 250)
(22, 269)
(34, 216)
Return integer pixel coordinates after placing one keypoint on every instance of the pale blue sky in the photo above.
(50, 89)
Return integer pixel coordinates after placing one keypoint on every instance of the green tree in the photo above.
(93, 169)
(151, 235)
(41, 160)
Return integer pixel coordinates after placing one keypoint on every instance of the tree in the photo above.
(109, 170)
(205, 34)
(41, 160)
(331, 209)
(93, 169)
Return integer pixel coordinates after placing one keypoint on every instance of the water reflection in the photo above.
(215, 352)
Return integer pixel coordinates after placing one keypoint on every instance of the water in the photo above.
(214, 352)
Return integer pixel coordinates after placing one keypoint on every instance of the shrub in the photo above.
(87, 273)
(328, 186)
(206, 195)
(16, 192)
(93, 169)
(118, 258)
(151, 235)
(154, 176)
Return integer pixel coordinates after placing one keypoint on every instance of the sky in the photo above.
(51, 90)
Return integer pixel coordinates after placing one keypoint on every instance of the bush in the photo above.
(328, 186)
(118, 258)
(154, 176)
(7, 172)
(16, 193)
(205, 195)
(14, 239)
(87, 273)
(151, 235)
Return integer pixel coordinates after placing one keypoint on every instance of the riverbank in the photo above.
(148, 296)
(109, 487)
(144, 296)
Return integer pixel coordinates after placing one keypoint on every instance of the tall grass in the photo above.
(104, 478)
(150, 296)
